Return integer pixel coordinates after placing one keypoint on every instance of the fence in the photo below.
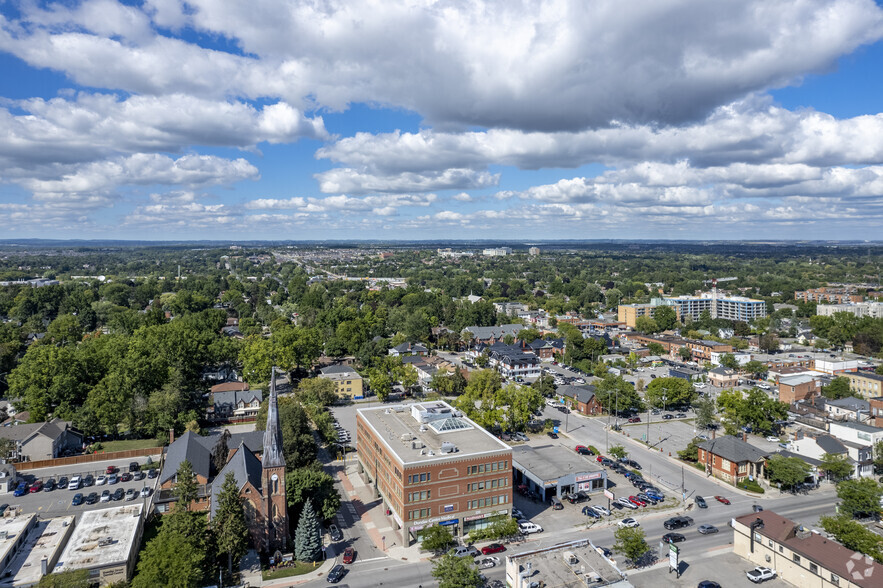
(88, 458)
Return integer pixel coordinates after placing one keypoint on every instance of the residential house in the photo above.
(799, 556)
(542, 349)
(815, 447)
(865, 384)
(233, 400)
(849, 409)
(409, 349)
(581, 399)
(723, 377)
(876, 408)
(36, 441)
(491, 335)
(732, 459)
(794, 388)
(513, 362)
(349, 382)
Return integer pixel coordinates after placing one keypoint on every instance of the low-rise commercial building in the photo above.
(553, 471)
(834, 295)
(431, 465)
(348, 381)
(581, 399)
(835, 366)
(731, 459)
(801, 557)
(105, 542)
(794, 388)
(723, 377)
(39, 554)
(575, 563)
(13, 533)
(703, 349)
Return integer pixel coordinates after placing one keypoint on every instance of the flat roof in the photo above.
(45, 540)
(548, 462)
(421, 441)
(13, 527)
(588, 568)
(119, 523)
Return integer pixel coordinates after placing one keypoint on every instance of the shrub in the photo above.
(751, 486)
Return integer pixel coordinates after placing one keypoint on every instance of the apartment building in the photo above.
(431, 465)
(346, 378)
(861, 309)
(794, 388)
(801, 557)
(629, 313)
(865, 384)
(703, 349)
(833, 295)
(734, 308)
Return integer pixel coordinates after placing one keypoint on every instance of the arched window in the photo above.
(276, 486)
(275, 511)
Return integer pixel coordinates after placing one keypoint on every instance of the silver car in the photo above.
(601, 510)
(707, 529)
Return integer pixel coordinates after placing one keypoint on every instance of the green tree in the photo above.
(878, 457)
(456, 572)
(786, 471)
(617, 452)
(320, 391)
(676, 391)
(71, 579)
(705, 411)
(612, 297)
(64, 330)
(614, 393)
(170, 559)
(656, 348)
(221, 451)
(307, 537)
(853, 535)
(859, 497)
(838, 388)
(436, 539)
(685, 353)
(728, 360)
(481, 400)
(521, 403)
(768, 342)
(755, 368)
(185, 487)
(838, 467)
(666, 318)
(545, 385)
(256, 357)
(529, 335)
(646, 324)
(631, 542)
(228, 523)
(312, 483)
(691, 451)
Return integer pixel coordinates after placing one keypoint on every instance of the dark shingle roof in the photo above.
(228, 400)
(191, 447)
(733, 449)
(245, 468)
(582, 394)
(830, 445)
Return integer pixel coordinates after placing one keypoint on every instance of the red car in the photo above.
(492, 548)
(38, 485)
(637, 501)
(110, 469)
(722, 499)
(349, 555)
(635, 420)
(599, 459)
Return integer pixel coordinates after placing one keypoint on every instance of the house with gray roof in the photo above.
(849, 409)
(492, 335)
(581, 398)
(408, 348)
(35, 441)
(236, 404)
(732, 459)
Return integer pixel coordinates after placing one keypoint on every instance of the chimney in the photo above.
(744, 436)
(44, 565)
(714, 433)
(171, 436)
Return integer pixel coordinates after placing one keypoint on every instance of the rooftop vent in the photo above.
(430, 453)
(448, 447)
(416, 445)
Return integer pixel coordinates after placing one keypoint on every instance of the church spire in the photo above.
(273, 456)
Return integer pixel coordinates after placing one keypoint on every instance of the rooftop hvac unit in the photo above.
(448, 447)
(406, 437)
(430, 453)
(416, 445)
(387, 411)
(422, 428)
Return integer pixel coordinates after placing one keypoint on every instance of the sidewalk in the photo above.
(370, 512)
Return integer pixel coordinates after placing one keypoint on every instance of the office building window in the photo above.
(813, 568)
(795, 558)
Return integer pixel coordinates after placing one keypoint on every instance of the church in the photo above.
(257, 463)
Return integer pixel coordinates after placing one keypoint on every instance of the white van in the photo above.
(74, 484)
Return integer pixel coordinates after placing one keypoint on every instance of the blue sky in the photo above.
(550, 119)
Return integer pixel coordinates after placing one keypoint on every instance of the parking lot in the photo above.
(669, 435)
(59, 501)
(723, 565)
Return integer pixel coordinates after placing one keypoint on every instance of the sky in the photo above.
(370, 119)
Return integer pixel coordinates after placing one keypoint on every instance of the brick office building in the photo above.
(794, 388)
(431, 465)
(731, 459)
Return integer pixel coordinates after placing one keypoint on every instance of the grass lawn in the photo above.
(296, 570)
(126, 444)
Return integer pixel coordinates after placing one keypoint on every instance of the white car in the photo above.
(528, 528)
(145, 492)
(75, 483)
(759, 574)
(773, 439)
(629, 522)
(625, 502)
(101, 480)
(487, 562)
(601, 510)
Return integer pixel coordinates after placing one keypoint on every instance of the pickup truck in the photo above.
(759, 574)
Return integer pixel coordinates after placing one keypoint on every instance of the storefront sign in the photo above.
(476, 517)
(593, 476)
(449, 508)
(552, 483)
(609, 495)
(448, 523)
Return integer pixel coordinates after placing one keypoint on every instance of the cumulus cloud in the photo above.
(381, 205)
(548, 65)
(361, 182)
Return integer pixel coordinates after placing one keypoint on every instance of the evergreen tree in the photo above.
(307, 538)
(185, 486)
(221, 450)
(228, 524)
(170, 559)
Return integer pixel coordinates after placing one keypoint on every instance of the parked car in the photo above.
(145, 492)
(139, 475)
(336, 574)
(119, 494)
(75, 483)
(125, 477)
(591, 512)
(112, 479)
(646, 498)
(709, 584)
(673, 538)
(131, 494)
(36, 486)
(92, 498)
(517, 514)
(335, 532)
(110, 469)
(552, 434)
(722, 500)
(700, 502)
(21, 489)
(602, 510)
(487, 562)
(667, 417)
(707, 529)
(77, 500)
(88, 480)
(105, 496)
(521, 437)
(773, 439)
(152, 473)
(629, 522)
(134, 467)
(464, 551)
(760, 574)
(655, 495)
(528, 528)
(101, 481)
(493, 548)
(49, 486)
(583, 450)
(635, 420)
(626, 503)
(637, 501)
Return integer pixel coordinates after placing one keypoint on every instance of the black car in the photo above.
(3, 508)
(134, 467)
(553, 435)
(667, 417)
(92, 498)
(709, 584)
(673, 538)
(336, 574)
(677, 523)
(89, 480)
(49, 486)
(77, 500)
(119, 494)
(152, 473)
(700, 502)
(62, 482)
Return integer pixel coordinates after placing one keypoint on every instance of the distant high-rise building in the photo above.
(534, 251)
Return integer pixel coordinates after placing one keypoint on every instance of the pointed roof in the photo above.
(245, 467)
(273, 456)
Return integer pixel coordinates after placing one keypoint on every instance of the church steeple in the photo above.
(273, 456)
